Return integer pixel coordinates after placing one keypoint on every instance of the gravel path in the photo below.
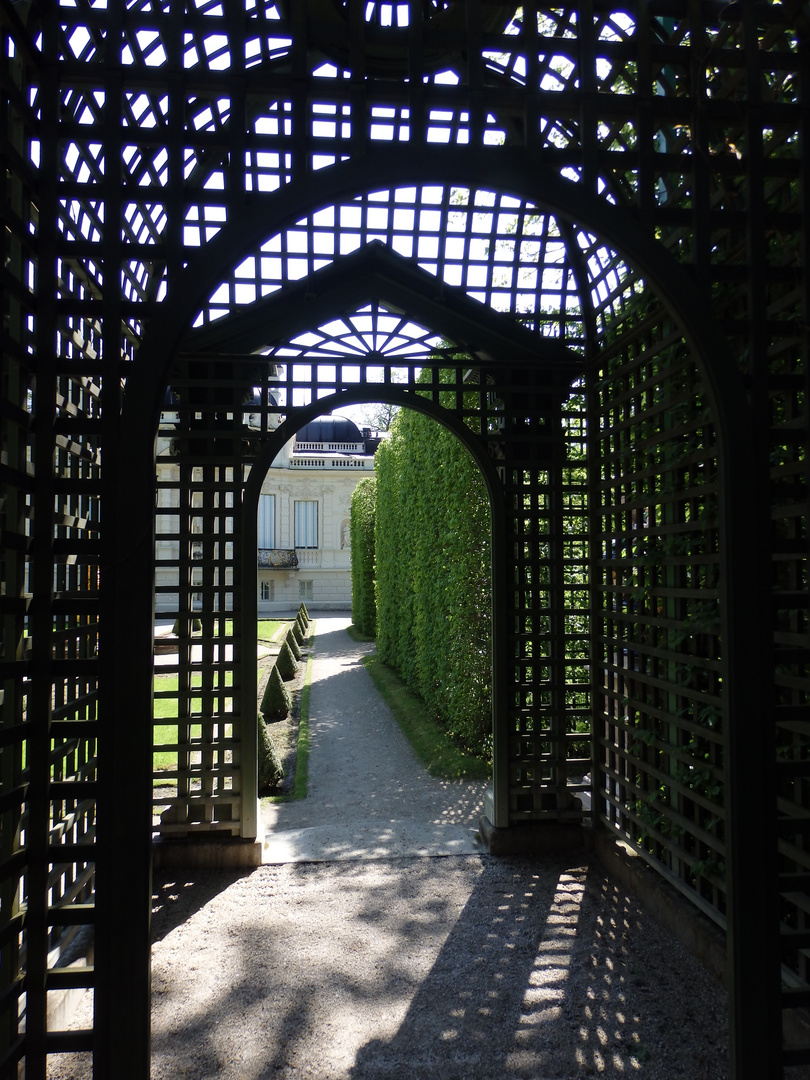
(368, 795)
(377, 963)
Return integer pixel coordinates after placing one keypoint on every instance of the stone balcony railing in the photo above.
(309, 556)
(321, 448)
(277, 559)
(326, 462)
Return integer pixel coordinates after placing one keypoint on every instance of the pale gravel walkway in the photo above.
(460, 968)
(368, 795)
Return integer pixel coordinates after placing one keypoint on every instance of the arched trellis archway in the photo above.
(123, 133)
(204, 383)
(657, 270)
(477, 449)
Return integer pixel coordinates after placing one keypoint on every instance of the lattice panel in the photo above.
(499, 249)
(50, 554)
(549, 707)
(198, 788)
(17, 511)
(659, 719)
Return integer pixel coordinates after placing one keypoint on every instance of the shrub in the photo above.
(270, 768)
(285, 663)
(289, 640)
(276, 701)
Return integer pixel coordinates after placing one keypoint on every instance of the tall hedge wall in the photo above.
(433, 583)
(363, 511)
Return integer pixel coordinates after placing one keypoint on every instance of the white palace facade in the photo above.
(303, 517)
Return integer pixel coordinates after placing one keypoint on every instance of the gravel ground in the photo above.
(459, 967)
(393, 966)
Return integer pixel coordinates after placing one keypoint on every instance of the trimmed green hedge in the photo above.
(286, 663)
(271, 771)
(433, 575)
(291, 642)
(276, 701)
(363, 512)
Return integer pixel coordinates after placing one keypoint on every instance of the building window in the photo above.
(304, 590)
(267, 521)
(267, 589)
(306, 524)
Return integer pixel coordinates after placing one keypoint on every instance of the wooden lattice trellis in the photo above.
(596, 217)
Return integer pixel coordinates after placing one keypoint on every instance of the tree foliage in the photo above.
(363, 507)
(433, 579)
(291, 641)
(380, 417)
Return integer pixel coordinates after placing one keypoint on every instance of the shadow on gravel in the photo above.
(431, 969)
(500, 973)
(178, 893)
(501, 1002)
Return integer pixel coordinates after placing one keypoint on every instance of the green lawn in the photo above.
(165, 708)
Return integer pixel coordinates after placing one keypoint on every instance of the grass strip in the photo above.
(432, 745)
(302, 752)
(299, 790)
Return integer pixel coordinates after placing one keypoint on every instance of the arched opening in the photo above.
(240, 311)
(218, 463)
(450, 651)
(323, 355)
(227, 606)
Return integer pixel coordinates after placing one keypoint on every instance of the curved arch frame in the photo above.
(745, 631)
(473, 445)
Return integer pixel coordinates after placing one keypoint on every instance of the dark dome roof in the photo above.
(334, 429)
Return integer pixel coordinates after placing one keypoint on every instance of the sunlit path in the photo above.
(369, 797)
